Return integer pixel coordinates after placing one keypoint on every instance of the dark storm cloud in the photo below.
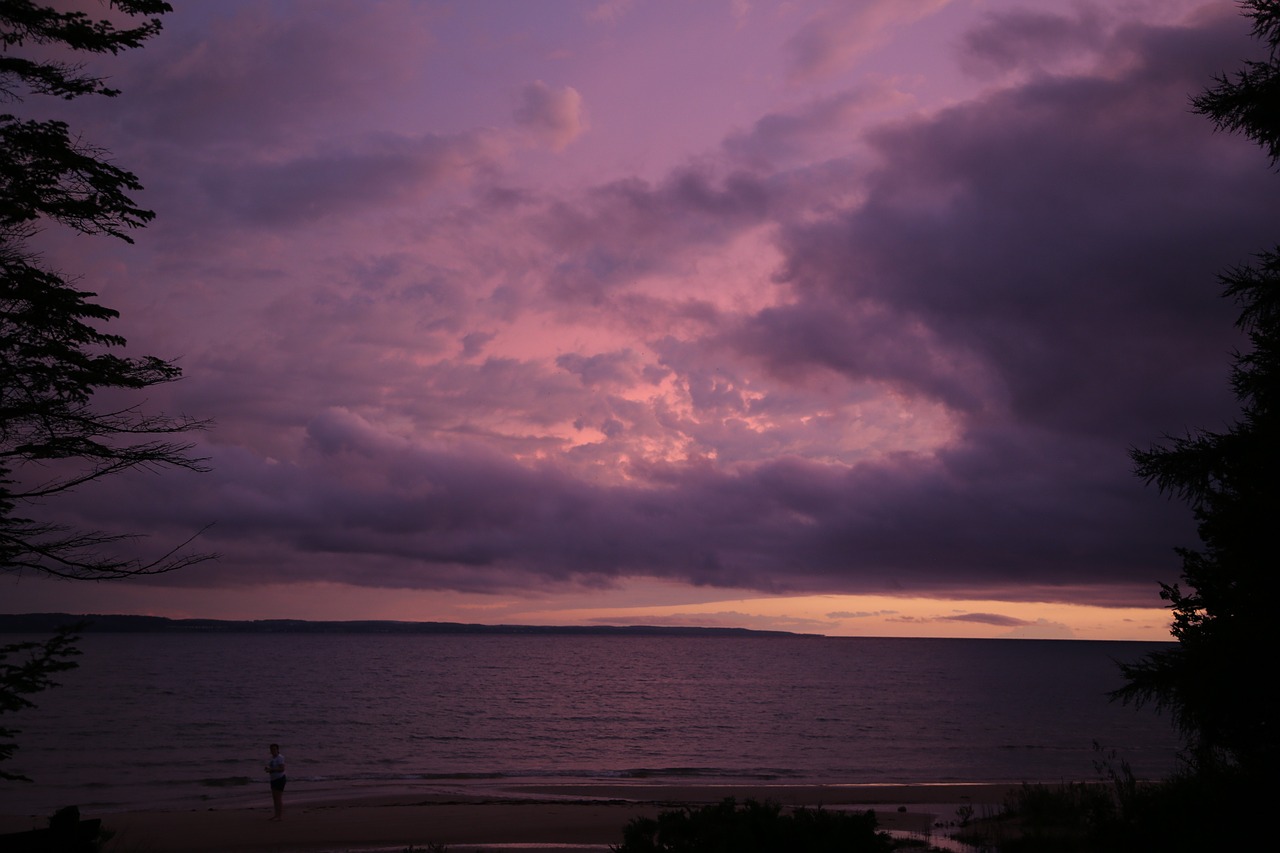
(468, 518)
(1067, 233)
(865, 341)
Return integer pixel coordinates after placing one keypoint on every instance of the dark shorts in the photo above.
(278, 784)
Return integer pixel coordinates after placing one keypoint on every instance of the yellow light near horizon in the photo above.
(874, 615)
(632, 603)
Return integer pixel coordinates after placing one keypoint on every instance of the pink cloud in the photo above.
(836, 35)
(553, 115)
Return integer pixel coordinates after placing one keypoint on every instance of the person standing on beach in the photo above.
(275, 767)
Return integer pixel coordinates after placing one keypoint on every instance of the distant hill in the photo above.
(44, 623)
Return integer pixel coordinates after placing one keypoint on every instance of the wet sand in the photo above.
(547, 818)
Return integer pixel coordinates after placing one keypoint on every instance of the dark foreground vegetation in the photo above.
(1190, 811)
(754, 827)
(66, 833)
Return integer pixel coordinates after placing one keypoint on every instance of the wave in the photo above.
(225, 782)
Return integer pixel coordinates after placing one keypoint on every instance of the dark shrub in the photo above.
(754, 827)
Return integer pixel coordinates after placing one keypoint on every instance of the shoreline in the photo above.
(549, 817)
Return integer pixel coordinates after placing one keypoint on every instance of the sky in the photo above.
(834, 317)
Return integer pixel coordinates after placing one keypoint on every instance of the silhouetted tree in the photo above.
(28, 668)
(55, 362)
(1217, 681)
(1248, 102)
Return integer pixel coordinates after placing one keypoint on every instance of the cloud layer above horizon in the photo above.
(792, 297)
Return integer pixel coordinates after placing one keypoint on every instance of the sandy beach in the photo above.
(547, 818)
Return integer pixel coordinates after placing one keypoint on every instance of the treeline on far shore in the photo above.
(43, 623)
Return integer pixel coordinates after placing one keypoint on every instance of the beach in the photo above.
(550, 818)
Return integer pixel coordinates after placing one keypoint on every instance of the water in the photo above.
(183, 720)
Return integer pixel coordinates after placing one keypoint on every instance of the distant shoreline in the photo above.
(44, 623)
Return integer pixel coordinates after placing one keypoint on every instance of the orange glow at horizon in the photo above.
(637, 603)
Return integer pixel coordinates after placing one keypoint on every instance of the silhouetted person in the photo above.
(275, 766)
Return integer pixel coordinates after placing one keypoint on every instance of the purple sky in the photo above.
(640, 311)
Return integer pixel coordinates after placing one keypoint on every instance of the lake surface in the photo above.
(183, 720)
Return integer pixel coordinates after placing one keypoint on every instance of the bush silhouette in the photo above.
(754, 827)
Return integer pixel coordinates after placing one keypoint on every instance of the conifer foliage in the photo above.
(1216, 682)
(55, 360)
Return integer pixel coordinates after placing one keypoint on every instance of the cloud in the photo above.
(867, 341)
(614, 368)
(608, 11)
(626, 229)
(1042, 629)
(362, 504)
(1025, 40)
(554, 115)
(836, 35)
(860, 614)
(1026, 629)
(784, 137)
(382, 172)
(986, 619)
(250, 76)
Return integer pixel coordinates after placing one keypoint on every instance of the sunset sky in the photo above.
(836, 317)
